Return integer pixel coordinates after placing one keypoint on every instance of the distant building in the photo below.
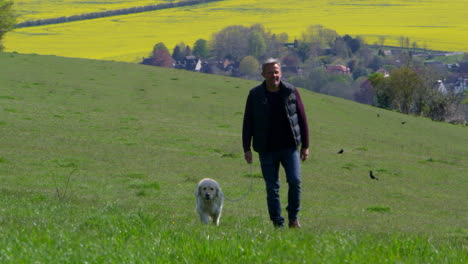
(384, 72)
(338, 69)
(439, 86)
(190, 63)
(461, 85)
(147, 61)
(387, 52)
(228, 65)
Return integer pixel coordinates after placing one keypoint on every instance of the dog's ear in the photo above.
(219, 193)
(197, 191)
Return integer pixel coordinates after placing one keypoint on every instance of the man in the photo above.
(275, 125)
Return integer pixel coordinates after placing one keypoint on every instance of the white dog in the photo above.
(210, 200)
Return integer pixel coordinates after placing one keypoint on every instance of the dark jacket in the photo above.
(257, 112)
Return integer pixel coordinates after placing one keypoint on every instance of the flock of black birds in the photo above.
(371, 174)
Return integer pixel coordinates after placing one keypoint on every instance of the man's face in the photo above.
(272, 75)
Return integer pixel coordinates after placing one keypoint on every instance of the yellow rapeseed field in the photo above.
(41, 9)
(434, 24)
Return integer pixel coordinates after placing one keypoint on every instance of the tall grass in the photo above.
(59, 232)
(99, 162)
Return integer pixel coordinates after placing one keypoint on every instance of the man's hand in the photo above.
(304, 154)
(248, 156)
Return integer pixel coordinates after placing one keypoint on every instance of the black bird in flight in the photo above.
(341, 151)
(371, 175)
(403, 122)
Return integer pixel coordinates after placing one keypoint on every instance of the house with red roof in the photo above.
(338, 69)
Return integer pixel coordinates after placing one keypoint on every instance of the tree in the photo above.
(275, 44)
(376, 63)
(290, 60)
(177, 53)
(316, 79)
(187, 51)
(404, 42)
(340, 48)
(237, 42)
(200, 48)
(365, 94)
(257, 44)
(249, 65)
(231, 42)
(181, 51)
(7, 18)
(159, 46)
(320, 36)
(381, 40)
(382, 93)
(355, 44)
(303, 51)
(161, 56)
(359, 72)
(439, 105)
(338, 85)
(352, 64)
(403, 83)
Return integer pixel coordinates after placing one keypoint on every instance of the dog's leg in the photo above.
(204, 218)
(216, 218)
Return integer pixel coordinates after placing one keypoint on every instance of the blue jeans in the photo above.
(270, 162)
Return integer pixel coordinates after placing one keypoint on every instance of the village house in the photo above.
(337, 69)
(440, 87)
(460, 85)
(384, 72)
(190, 63)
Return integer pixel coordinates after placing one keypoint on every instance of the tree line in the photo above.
(108, 13)
(394, 79)
(7, 19)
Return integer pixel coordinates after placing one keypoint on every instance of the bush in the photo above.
(249, 65)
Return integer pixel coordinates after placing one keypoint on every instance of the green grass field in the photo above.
(99, 162)
(439, 25)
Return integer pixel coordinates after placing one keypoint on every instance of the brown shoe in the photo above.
(294, 224)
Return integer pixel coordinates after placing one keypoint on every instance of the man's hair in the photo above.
(270, 61)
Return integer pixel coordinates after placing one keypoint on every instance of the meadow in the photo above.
(99, 162)
(439, 25)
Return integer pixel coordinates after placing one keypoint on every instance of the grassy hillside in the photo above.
(99, 162)
(439, 25)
